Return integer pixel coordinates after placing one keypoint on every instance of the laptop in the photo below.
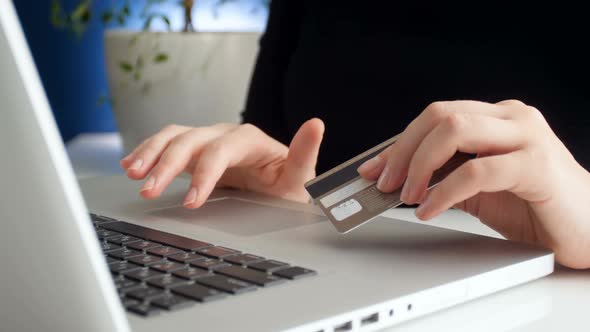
(95, 257)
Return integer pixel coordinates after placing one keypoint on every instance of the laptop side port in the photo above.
(343, 327)
(374, 318)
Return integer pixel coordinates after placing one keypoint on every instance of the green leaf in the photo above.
(57, 14)
(126, 10)
(81, 11)
(161, 57)
(56, 6)
(107, 17)
(149, 20)
(167, 21)
(86, 17)
(57, 22)
(137, 76)
(126, 66)
(121, 20)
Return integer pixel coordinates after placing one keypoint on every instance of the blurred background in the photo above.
(99, 82)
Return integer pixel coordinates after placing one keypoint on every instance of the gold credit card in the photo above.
(349, 200)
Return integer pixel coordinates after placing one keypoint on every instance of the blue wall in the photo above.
(72, 70)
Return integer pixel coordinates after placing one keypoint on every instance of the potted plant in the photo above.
(160, 73)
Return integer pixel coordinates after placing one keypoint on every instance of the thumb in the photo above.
(303, 152)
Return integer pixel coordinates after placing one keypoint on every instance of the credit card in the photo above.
(350, 201)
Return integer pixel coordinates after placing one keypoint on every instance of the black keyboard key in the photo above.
(295, 272)
(226, 284)
(145, 259)
(124, 253)
(268, 266)
(144, 309)
(143, 245)
(167, 266)
(122, 267)
(171, 302)
(105, 233)
(143, 274)
(122, 283)
(123, 239)
(163, 251)
(198, 292)
(217, 252)
(157, 236)
(111, 260)
(128, 302)
(166, 281)
(185, 257)
(251, 276)
(191, 273)
(145, 292)
(243, 259)
(106, 247)
(208, 263)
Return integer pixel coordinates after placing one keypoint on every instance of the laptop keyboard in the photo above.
(155, 271)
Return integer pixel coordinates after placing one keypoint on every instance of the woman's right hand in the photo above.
(226, 155)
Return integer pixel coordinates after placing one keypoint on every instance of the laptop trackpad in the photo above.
(240, 217)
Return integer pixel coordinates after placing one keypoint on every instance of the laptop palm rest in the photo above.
(231, 215)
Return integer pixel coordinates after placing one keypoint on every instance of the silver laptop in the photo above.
(243, 262)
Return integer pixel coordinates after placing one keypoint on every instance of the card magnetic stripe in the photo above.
(344, 175)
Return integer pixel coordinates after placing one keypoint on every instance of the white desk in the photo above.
(559, 302)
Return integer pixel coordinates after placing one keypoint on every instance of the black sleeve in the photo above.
(576, 132)
(264, 104)
(571, 117)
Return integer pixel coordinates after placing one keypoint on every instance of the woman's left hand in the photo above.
(524, 183)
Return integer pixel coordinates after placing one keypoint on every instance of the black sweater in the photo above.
(367, 68)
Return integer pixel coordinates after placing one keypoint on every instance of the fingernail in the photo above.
(149, 184)
(191, 197)
(126, 157)
(424, 208)
(383, 179)
(136, 165)
(369, 165)
(405, 192)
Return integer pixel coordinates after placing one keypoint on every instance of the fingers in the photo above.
(372, 168)
(139, 163)
(487, 174)
(213, 162)
(303, 152)
(175, 158)
(392, 173)
(126, 161)
(246, 146)
(470, 133)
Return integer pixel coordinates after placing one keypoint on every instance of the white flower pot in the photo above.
(203, 81)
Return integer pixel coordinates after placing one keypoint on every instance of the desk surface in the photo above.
(559, 302)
